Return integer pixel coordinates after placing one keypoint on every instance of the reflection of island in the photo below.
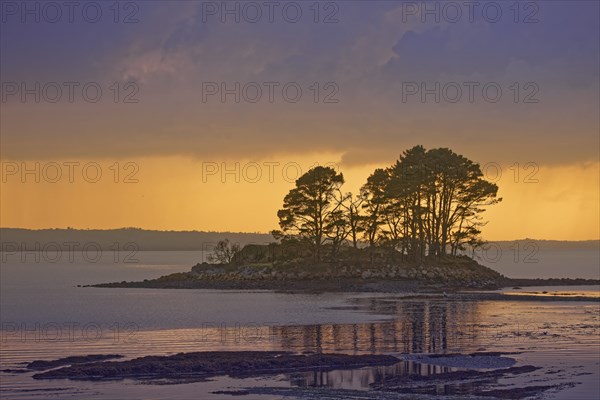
(364, 377)
(451, 332)
(423, 327)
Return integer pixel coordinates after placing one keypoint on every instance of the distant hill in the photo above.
(549, 244)
(106, 239)
(199, 240)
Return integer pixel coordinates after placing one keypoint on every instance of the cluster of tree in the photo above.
(429, 203)
(224, 252)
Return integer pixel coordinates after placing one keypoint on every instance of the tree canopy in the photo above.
(429, 203)
(310, 210)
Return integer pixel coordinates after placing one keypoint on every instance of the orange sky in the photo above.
(356, 110)
(176, 193)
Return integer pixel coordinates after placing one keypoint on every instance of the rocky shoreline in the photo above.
(405, 289)
(450, 274)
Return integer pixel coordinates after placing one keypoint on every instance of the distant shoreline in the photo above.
(158, 240)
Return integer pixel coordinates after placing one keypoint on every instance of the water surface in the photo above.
(45, 315)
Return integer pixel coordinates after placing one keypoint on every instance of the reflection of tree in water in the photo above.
(437, 325)
(419, 327)
(362, 378)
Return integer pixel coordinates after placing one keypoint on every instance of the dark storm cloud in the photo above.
(369, 53)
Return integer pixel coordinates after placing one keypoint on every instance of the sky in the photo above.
(190, 115)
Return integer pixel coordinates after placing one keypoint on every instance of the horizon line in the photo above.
(253, 233)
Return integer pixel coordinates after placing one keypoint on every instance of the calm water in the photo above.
(45, 316)
(556, 291)
(529, 261)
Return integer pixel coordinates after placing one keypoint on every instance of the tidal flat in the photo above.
(442, 348)
(546, 347)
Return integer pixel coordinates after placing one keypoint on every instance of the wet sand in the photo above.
(433, 337)
(475, 374)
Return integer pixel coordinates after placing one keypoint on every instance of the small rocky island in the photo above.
(277, 268)
(408, 229)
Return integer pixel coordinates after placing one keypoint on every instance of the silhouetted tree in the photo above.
(374, 201)
(224, 252)
(309, 210)
(337, 229)
(442, 195)
(352, 207)
(429, 203)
